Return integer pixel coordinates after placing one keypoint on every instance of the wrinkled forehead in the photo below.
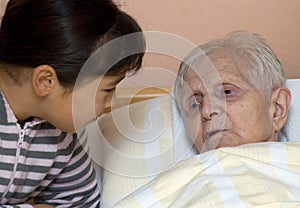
(201, 65)
(201, 71)
(213, 68)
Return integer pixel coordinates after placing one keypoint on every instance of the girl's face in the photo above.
(72, 111)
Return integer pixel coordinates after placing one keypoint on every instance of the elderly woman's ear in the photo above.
(280, 101)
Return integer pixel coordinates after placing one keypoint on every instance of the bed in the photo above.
(146, 161)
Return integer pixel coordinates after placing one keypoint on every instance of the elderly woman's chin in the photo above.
(220, 141)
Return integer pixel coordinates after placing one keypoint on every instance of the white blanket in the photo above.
(255, 175)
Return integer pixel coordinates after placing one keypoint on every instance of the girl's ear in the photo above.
(43, 80)
(281, 99)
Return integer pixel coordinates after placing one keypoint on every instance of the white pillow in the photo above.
(134, 145)
(291, 130)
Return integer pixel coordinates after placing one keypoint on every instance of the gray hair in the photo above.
(263, 68)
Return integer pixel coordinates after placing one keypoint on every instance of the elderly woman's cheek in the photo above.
(193, 129)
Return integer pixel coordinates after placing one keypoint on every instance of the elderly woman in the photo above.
(231, 92)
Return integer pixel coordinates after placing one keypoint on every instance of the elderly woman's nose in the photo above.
(211, 108)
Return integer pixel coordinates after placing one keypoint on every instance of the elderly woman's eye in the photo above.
(196, 104)
(228, 91)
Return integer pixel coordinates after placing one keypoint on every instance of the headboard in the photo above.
(126, 96)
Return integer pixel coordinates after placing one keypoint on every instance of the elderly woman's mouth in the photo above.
(214, 133)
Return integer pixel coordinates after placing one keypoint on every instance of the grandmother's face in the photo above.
(221, 108)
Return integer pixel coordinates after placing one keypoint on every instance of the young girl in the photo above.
(43, 46)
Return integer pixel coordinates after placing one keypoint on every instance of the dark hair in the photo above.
(63, 34)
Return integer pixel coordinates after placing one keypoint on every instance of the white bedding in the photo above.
(128, 162)
(291, 130)
(255, 175)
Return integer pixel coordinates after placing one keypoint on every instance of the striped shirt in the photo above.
(40, 162)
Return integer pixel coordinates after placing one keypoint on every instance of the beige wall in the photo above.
(2, 6)
(278, 21)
